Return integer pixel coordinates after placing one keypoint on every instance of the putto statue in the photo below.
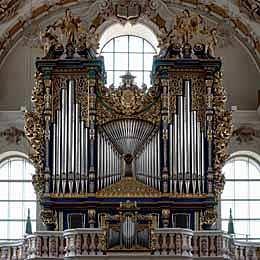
(68, 35)
(189, 31)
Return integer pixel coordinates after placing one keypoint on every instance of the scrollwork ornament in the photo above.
(208, 217)
(34, 130)
(222, 124)
(48, 217)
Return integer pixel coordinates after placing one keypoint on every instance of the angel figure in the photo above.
(183, 27)
(92, 41)
(69, 26)
(48, 39)
(211, 43)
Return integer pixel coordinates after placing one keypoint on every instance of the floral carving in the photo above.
(222, 123)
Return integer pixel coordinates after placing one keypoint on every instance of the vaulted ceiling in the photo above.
(237, 21)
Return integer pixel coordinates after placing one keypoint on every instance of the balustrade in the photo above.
(183, 243)
(172, 241)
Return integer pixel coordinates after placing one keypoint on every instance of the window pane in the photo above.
(229, 191)
(254, 228)
(16, 210)
(139, 77)
(15, 190)
(254, 170)
(110, 78)
(16, 229)
(241, 209)
(3, 210)
(147, 78)
(118, 80)
(225, 208)
(108, 59)
(241, 190)
(241, 228)
(108, 47)
(148, 61)
(32, 207)
(17, 169)
(4, 171)
(254, 207)
(254, 189)
(135, 44)
(121, 61)
(3, 190)
(4, 228)
(121, 44)
(228, 170)
(29, 193)
(241, 169)
(148, 47)
(136, 61)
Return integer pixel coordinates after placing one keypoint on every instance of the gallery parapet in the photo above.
(89, 242)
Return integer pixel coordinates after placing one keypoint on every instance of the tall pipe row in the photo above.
(186, 147)
(148, 164)
(108, 162)
(70, 159)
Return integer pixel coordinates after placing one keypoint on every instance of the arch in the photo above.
(128, 49)
(242, 195)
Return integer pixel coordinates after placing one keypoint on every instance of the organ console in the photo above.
(125, 152)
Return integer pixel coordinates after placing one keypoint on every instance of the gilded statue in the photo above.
(49, 39)
(211, 43)
(188, 30)
(69, 26)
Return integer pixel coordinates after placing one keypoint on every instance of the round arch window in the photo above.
(128, 49)
(242, 195)
(16, 197)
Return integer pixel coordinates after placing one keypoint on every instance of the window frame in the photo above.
(251, 159)
(6, 159)
(129, 52)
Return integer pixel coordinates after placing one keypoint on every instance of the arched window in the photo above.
(242, 195)
(128, 48)
(16, 197)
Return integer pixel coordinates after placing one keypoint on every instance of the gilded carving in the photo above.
(128, 187)
(208, 217)
(222, 125)
(189, 31)
(48, 217)
(127, 101)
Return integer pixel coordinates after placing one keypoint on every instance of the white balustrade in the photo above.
(172, 241)
(83, 242)
(177, 242)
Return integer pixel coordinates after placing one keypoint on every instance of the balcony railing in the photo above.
(181, 243)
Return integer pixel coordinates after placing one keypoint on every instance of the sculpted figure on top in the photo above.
(189, 31)
(68, 34)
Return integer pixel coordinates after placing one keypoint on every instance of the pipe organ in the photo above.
(125, 154)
